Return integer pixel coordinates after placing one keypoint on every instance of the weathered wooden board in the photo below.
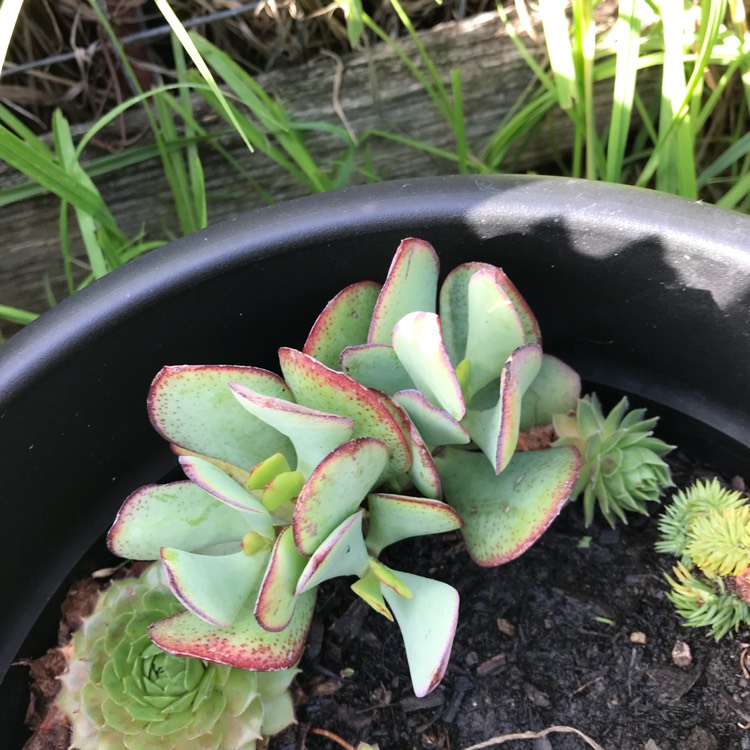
(376, 91)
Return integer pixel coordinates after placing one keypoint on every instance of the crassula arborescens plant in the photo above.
(121, 692)
(399, 417)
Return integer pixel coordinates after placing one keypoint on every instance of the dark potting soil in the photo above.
(576, 632)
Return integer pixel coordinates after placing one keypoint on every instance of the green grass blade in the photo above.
(17, 316)
(628, 31)
(557, 38)
(66, 153)
(188, 43)
(45, 171)
(731, 156)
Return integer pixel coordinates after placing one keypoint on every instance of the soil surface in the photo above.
(576, 632)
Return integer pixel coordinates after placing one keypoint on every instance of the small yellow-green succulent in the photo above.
(121, 692)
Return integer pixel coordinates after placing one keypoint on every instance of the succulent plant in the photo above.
(468, 377)
(297, 479)
(622, 462)
(121, 692)
(708, 528)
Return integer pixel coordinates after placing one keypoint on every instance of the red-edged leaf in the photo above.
(411, 285)
(344, 322)
(192, 406)
(505, 514)
(318, 387)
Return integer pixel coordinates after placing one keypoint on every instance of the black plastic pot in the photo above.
(641, 292)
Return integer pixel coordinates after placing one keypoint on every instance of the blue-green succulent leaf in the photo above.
(436, 426)
(505, 514)
(454, 308)
(397, 517)
(411, 285)
(313, 433)
(495, 330)
(428, 624)
(555, 390)
(418, 342)
(277, 598)
(244, 644)
(319, 387)
(343, 553)
(336, 489)
(193, 407)
(375, 366)
(494, 417)
(344, 322)
(213, 587)
(180, 515)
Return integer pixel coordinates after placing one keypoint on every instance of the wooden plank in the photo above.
(376, 91)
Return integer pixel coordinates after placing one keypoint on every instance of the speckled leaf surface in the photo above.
(397, 517)
(336, 489)
(213, 587)
(277, 598)
(418, 341)
(411, 285)
(495, 330)
(345, 321)
(343, 553)
(375, 366)
(192, 406)
(428, 624)
(494, 428)
(436, 426)
(244, 644)
(179, 514)
(319, 387)
(314, 434)
(505, 514)
(454, 307)
(555, 390)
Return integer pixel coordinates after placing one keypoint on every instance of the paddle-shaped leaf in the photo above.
(493, 421)
(555, 390)
(436, 426)
(343, 553)
(180, 515)
(411, 285)
(428, 624)
(397, 517)
(192, 406)
(495, 330)
(313, 433)
(240, 476)
(505, 514)
(375, 366)
(213, 587)
(213, 480)
(244, 644)
(345, 321)
(277, 598)
(336, 489)
(454, 307)
(418, 342)
(319, 387)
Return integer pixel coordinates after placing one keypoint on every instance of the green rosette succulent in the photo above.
(121, 692)
(623, 467)
(707, 527)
